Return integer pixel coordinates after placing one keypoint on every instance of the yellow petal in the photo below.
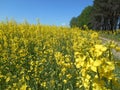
(8, 79)
(97, 63)
(93, 68)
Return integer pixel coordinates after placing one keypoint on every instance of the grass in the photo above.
(113, 36)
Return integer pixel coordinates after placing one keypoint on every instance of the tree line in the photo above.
(102, 15)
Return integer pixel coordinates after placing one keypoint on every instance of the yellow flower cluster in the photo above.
(37, 57)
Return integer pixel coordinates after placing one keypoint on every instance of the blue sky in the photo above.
(50, 12)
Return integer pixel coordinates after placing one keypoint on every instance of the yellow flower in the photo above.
(93, 68)
(63, 70)
(65, 81)
(24, 86)
(7, 79)
(43, 84)
(80, 61)
(1, 76)
(68, 76)
(97, 87)
(99, 49)
(117, 49)
(97, 63)
(94, 35)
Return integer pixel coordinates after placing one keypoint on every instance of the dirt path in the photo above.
(116, 54)
(106, 39)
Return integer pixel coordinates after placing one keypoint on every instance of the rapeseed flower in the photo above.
(33, 56)
(98, 50)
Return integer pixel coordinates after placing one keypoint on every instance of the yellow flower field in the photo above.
(38, 57)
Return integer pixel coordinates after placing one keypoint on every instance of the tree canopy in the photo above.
(103, 15)
(74, 22)
(82, 19)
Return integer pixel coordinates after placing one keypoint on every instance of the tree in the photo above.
(85, 17)
(74, 22)
(82, 19)
(105, 14)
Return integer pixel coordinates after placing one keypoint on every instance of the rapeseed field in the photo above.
(39, 57)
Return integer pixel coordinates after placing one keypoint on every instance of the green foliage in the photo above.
(82, 19)
(74, 22)
(103, 15)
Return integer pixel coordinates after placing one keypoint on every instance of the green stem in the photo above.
(98, 73)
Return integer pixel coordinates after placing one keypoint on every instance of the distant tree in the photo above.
(103, 15)
(74, 22)
(82, 19)
(85, 17)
